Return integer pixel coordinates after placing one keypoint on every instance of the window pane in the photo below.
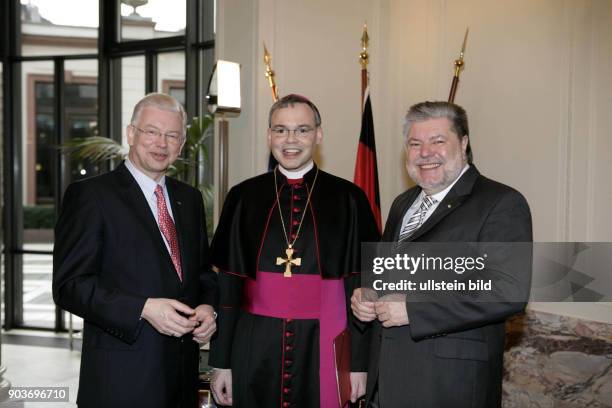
(81, 113)
(2, 226)
(143, 20)
(132, 89)
(171, 74)
(38, 306)
(39, 155)
(59, 27)
(207, 27)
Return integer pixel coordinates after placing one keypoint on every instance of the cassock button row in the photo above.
(288, 334)
(288, 362)
(286, 376)
(288, 348)
(295, 222)
(296, 197)
(286, 390)
(288, 320)
(285, 404)
(293, 236)
(296, 209)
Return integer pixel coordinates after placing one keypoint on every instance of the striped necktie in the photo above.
(166, 225)
(417, 219)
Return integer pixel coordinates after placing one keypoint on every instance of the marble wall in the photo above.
(557, 361)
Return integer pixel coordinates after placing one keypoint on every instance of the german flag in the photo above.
(366, 168)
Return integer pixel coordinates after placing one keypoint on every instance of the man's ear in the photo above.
(131, 134)
(319, 135)
(464, 143)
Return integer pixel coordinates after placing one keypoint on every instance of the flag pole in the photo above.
(364, 59)
(458, 67)
(366, 168)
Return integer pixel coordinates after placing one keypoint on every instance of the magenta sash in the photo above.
(304, 297)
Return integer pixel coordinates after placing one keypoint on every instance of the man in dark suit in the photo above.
(131, 258)
(442, 354)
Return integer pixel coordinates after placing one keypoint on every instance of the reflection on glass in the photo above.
(81, 110)
(59, 27)
(40, 154)
(38, 306)
(147, 19)
(132, 88)
(171, 74)
(1, 197)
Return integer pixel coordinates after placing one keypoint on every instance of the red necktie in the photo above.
(166, 225)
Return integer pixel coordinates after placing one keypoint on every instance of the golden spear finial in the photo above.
(364, 58)
(270, 73)
(458, 67)
(459, 61)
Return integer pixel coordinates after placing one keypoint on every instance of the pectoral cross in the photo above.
(289, 261)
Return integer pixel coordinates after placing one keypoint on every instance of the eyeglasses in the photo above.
(301, 131)
(173, 138)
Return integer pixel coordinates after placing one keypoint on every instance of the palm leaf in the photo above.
(94, 149)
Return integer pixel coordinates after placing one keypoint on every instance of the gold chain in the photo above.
(297, 234)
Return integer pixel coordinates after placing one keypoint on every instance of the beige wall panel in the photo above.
(536, 85)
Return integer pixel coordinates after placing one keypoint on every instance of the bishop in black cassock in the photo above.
(275, 331)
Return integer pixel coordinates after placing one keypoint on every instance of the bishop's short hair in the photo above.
(290, 100)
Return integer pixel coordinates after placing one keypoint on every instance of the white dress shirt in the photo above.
(438, 197)
(148, 185)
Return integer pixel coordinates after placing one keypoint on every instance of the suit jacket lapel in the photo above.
(136, 200)
(455, 197)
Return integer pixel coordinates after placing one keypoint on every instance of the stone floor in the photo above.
(47, 365)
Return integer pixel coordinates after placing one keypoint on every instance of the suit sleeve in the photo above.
(361, 332)
(508, 221)
(209, 290)
(77, 258)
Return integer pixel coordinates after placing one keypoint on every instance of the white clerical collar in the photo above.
(296, 174)
(439, 196)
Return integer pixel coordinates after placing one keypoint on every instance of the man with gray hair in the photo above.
(442, 354)
(131, 259)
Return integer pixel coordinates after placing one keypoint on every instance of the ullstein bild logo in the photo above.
(432, 285)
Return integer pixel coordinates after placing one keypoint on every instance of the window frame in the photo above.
(198, 37)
